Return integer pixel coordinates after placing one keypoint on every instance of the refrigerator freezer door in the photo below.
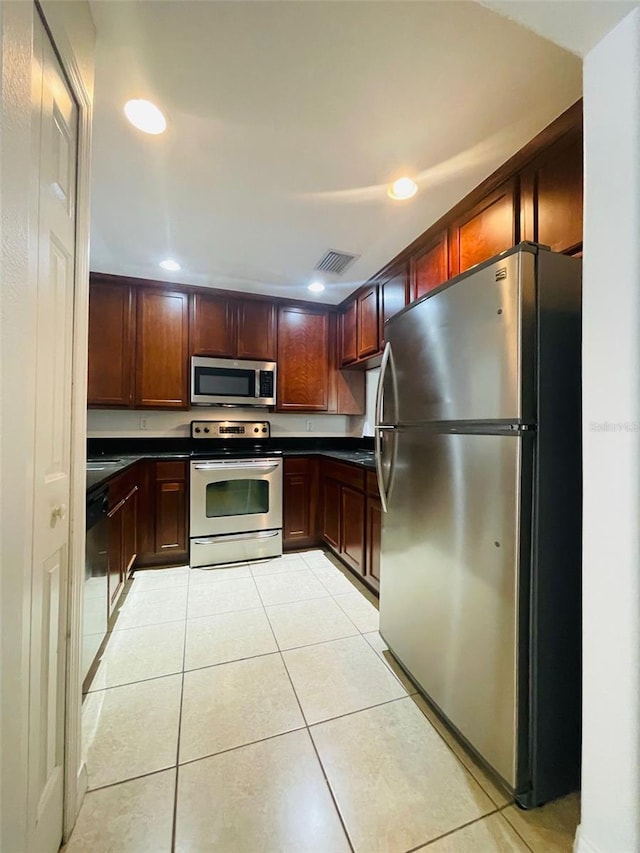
(462, 352)
(449, 580)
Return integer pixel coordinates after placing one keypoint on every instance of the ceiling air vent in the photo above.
(335, 262)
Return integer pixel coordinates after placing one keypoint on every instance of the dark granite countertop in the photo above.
(100, 469)
(108, 457)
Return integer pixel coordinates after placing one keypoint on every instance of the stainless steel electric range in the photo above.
(236, 493)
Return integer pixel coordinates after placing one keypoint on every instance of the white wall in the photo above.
(611, 380)
(371, 389)
(103, 423)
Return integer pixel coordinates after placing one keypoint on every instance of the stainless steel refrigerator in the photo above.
(478, 450)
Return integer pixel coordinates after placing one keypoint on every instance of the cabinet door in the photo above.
(130, 531)
(368, 320)
(431, 267)
(213, 327)
(162, 352)
(348, 341)
(374, 531)
(393, 296)
(171, 509)
(303, 359)
(170, 517)
(352, 506)
(484, 231)
(331, 512)
(552, 191)
(256, 331)
(299, 501)
(115, 551)
(111, 345)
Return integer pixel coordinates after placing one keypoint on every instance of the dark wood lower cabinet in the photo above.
(331, 512)
(163, 513)
(349, 524)
(300, 502)
(171, 506)
(373, 536)
(352, 545)
(123, 533)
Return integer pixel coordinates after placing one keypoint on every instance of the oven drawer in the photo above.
(235, 548)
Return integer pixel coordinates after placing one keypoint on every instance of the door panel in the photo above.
(431, 268)
(212, 326)
(57, 145)
(449, 580)
(484, 231)
(352, 522)
(367, 322)
(459, 354)
(256, 331)
(162, 349)
(303, 359)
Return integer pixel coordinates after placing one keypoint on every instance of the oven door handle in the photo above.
(239, 537)
(230, 466)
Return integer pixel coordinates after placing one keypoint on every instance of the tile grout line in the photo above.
(174, 822)
(308, 731)
(307, 728)
(451, 831)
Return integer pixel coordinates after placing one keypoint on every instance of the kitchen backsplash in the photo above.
(102, 423)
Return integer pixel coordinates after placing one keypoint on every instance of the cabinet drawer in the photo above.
(350, 475)
(171, 471)
(372, 483)
(297, 465)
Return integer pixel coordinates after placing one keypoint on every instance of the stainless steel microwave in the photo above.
(231, 382)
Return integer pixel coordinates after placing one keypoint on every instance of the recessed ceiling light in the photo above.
(171, 266)
(145, 116)
(402, 189)
(316, 287)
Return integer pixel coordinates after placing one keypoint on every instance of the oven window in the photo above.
(223, 382)
(237, 497)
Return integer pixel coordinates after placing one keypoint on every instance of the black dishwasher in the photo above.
(95, 604)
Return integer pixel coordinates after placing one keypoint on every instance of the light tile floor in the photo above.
(256, 709)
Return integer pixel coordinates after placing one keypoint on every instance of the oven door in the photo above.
(235, 496)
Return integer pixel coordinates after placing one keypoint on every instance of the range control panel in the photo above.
(230, 429)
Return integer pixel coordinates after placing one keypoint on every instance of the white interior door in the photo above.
(56, 191)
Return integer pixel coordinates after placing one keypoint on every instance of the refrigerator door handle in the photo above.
(386, 364)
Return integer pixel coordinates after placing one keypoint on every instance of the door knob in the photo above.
(58, 512)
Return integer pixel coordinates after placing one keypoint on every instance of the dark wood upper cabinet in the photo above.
(488, 228)
(367, 321)
(552, 197)
(430, 268)
(212, 326)
(394, 293)
(348, 339)
(233, 328)
(256, 330)
(303, 359)
(111, 344)
(162, 351)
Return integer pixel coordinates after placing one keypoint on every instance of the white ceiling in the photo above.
(288, 119)
(577, 25)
